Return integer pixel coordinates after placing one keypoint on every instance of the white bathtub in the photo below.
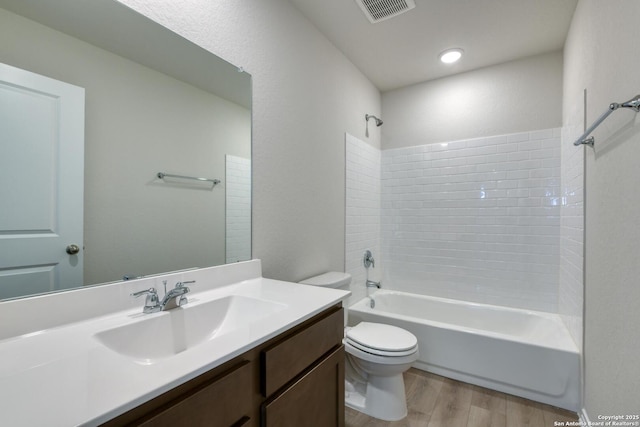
(520, 352)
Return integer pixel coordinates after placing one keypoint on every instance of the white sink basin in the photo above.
(171, 332)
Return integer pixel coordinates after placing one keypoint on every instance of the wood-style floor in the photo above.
(435, 401)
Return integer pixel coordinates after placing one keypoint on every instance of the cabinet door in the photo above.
(315, 400)
(224, 401)
(293, 355)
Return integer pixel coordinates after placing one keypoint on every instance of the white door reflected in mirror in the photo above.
(41, 182)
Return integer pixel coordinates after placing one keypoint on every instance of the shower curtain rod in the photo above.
(633, 103)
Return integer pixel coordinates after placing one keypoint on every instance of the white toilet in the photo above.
(377, 356)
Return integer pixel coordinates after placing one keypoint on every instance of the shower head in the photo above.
(371, 116)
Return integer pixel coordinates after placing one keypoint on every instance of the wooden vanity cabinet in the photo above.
(316, 399)
(221, 397)
(303, 376)
(295, 379)
(224, 401)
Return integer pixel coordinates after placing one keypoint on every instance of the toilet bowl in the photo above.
(376, 357)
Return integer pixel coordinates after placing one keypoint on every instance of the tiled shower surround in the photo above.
(238, 208)
(363, 212)
(477, 219)
(571, 298)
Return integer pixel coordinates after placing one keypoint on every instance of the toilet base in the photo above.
(381, 397)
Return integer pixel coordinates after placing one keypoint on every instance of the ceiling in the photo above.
(404, 50)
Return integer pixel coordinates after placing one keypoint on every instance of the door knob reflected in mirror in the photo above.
(73, 249)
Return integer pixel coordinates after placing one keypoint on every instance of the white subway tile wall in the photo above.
(477, 219)
(238, 209)
(362, 221)
(496, 220)
(571, 294)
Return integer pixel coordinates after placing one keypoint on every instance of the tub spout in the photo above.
(372, 284)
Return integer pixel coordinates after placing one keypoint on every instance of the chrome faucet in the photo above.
(176, 296)
(368, 260)
(151, 304)
(172, 299)
(372, 284)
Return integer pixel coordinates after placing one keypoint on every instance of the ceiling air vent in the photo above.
(379, 10)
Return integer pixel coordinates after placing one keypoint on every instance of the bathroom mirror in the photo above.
(158, 111)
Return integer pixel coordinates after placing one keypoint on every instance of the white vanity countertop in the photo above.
(63, 376)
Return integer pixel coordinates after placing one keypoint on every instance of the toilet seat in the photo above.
(381, 340)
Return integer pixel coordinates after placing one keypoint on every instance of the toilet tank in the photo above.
(332, 279)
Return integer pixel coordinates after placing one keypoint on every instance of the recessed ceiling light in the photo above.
(450, 56)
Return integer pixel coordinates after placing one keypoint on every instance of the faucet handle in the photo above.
(150, 292)
(368, 259)
(151, 304)
(182, 284)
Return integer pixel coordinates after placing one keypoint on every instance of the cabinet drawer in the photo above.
(286, 359)
(223, 401)
(315, 400)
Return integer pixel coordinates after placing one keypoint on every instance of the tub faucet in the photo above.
(372, 284)
(176, 296)
(368, 260)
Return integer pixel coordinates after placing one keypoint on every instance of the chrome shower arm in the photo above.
(371, 116)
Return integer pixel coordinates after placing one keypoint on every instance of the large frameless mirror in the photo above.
(125, 150)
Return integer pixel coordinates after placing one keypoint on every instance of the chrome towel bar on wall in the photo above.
(163, 175)
(633, 103)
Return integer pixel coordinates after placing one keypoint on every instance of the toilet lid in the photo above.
(380, 337)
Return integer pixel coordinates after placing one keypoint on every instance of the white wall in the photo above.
(601, 56)
(306, 94)
(513, 97)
